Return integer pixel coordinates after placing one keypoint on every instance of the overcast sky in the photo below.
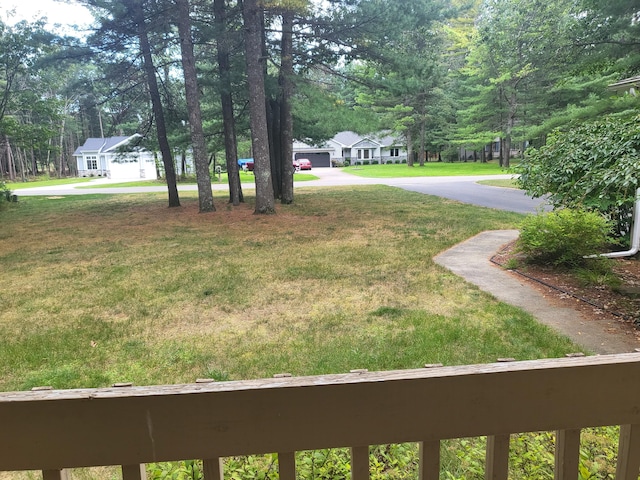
(63, 13)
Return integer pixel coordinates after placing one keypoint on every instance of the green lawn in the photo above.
(113, 288)
(342, 279)
(38, 182)
(244, 178)
(46, 182)
(431, 169)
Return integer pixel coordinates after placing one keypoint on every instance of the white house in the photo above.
(115, 158)
(354, 149)
(628, 85)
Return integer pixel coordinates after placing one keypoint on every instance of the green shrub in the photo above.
(563, 237)
(592, 166)
(5, 194)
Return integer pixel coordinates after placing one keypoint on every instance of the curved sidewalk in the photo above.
(471, 261)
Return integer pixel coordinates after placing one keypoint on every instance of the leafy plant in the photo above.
(563, 237)
(591, 166)
(5, 194)
(185, 470)
(599, 272)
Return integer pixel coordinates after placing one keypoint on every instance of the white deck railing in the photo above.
(54, 430)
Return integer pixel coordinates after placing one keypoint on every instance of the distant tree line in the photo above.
(225, 78)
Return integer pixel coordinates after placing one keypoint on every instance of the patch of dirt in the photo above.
(594, 302)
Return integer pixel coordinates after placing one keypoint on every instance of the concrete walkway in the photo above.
(471, 261)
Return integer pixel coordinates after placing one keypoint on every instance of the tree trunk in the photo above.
(286, 116)
(192, 92)
(257, 107)
(226, 99)
(23, 164)
(506, 152)
(154, 92)
(409, 148)
(61, 138)
(11, 167)
(422, 143)
(511, 122)
(275, 147)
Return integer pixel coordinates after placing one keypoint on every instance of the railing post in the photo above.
(287, 466)
(567, 454)
(497, 459)
(360, 463)
(134, 472)
(628, 453)
(55, 475)
(213, 469)
(429, 461)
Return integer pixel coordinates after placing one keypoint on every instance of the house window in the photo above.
(364, 154)
(92, 163)
(394, 152)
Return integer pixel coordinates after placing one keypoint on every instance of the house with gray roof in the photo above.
(117, 158)
(628, 85)
(352, 149)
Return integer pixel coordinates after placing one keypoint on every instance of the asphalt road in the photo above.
(509, 199)
(462, 189)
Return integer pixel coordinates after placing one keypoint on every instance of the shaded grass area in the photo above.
(48, 182)
(430, 169)
(105, 289)
(222, 179)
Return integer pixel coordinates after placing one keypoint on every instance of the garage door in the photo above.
(317, 159)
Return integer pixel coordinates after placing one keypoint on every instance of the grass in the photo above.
(119, 288)
(430, 169)
(102, 289)
(244, 178)
(48, 182)
(503, 183)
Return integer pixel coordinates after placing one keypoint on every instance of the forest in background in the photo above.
(226, 79)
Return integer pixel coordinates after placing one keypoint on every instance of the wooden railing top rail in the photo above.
(48, 430)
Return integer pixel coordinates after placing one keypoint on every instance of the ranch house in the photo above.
(115, 157)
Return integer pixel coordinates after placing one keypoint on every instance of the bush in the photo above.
(6, 195)
(590, 166)
(563, 237)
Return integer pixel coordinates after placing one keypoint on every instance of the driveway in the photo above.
(462, 189)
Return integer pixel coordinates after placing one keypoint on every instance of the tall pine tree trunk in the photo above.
(158, 112)
(257, 107)
(423, 147)
(192, 92)
(286, 116)
(506, 152)
(11, 166)
(61, 139)
(226, 99)
(275, 147)
(409, 139)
